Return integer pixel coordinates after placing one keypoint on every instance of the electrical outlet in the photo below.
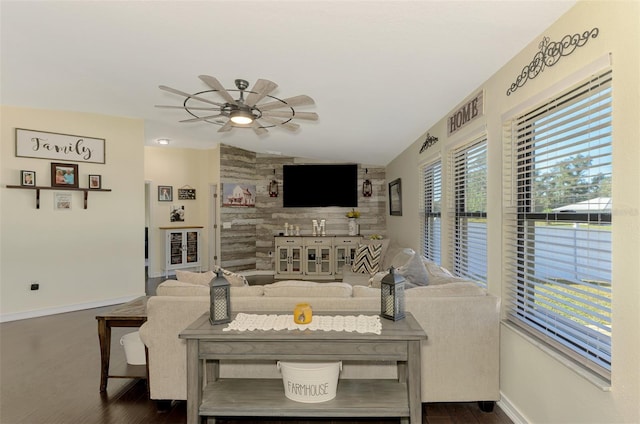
(35, 286)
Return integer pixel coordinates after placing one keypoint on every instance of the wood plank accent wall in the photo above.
(250, 240)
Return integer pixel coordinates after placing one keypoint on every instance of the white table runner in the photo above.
(348, 323)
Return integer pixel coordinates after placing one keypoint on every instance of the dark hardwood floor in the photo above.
(50, 373)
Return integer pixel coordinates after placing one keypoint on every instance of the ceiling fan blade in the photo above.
(202, 118)
(191, 108)
(182, 93)
(291, 101)
(288, 125)
(215, 84)
(288, 114)
(259, 91)
(255, 126)
(226, 127)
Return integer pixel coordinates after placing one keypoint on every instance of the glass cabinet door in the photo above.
(296, 259)
(192, 247)
(312, 254)
(175, 246)
(324, 261)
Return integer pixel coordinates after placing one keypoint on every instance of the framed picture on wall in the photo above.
(165, 193)
(395, 197)
(28, 178)
(95, 181)
(64, 175)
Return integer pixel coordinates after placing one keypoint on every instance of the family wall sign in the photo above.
(48, 145)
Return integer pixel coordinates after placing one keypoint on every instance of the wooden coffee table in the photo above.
(130, 314)
(210, 396)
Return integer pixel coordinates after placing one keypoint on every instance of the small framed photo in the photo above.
(95, 181)
(64, 175)
(28, 178)
(165, 193)
(62, 201)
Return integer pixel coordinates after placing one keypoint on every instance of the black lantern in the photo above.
(392, 296)
(220, 297)
(273, 186)
(367, 187)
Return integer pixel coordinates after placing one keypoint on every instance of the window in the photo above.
(469, 210)
(431, 208)
(557, 222)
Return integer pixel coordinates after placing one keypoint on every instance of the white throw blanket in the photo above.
(348, 323)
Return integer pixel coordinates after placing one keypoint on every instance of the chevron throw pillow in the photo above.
(367, 258)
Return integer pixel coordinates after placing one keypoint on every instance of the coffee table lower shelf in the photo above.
(265, 398)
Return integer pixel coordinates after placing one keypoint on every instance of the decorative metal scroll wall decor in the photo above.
(549, 54)
(428, 142)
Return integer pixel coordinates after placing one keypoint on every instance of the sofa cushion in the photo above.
(236, 280)
(297, 288)
(415, 272)
(367, 258)
(247, 291)
(200, 278)
(181, 288)
(385, 246)
(363, 291)
(439, 275)
(455, 289)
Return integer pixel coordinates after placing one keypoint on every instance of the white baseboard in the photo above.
(512, 412)
(63, 309)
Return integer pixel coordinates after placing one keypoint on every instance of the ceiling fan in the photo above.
(242, 112)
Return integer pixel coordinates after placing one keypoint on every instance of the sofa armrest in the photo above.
(462, 351)
(167, 316)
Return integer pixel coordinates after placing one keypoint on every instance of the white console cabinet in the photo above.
(313, 258)
(182, 248)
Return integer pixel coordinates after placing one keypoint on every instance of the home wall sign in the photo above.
(550, 53)
(469, 111)
(48, 145)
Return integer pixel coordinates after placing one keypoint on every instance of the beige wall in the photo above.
(167, 166)
(81, 258)
(536, 386)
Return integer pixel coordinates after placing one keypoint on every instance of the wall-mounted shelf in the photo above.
(38, 188)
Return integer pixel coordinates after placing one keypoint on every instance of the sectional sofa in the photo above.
(460, 359)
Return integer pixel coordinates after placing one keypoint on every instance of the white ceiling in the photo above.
(381, 72)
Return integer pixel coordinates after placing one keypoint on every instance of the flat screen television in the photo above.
(320, 185)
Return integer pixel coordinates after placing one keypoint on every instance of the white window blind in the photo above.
(557, 222)
(431, 207)
(469, 211)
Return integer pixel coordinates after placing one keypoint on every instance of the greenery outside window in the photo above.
(557, 222)
(469, 211)
(431, 210)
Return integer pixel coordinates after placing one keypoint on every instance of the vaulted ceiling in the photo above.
(380, 72)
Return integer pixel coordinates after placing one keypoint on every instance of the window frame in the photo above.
(529, 306)
(431, 210)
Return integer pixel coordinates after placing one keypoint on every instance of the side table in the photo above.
(130, 314)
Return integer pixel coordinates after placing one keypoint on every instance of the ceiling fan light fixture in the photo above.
(241, 117)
